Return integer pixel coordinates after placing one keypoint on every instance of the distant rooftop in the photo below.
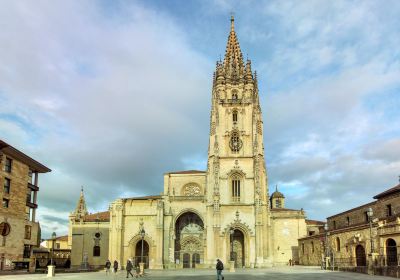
(315, 222)
(97, 217)
(390, 191)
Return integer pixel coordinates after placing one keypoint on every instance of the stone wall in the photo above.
(83, 241)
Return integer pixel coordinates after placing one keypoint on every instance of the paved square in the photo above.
(276, 273)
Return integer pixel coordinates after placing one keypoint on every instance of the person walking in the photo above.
(129, 267)
(108, 266)
(219, 267)
(115, 266)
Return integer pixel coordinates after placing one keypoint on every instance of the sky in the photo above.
(113, 94)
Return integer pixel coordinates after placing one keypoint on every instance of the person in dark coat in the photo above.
(108, 266)
(115, 266)
(219, 267)
(129, 267)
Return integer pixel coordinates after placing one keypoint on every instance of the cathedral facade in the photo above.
(224, 212)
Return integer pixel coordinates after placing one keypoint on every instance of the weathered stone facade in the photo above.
(19, 230)
(349, 235)
(223, 212)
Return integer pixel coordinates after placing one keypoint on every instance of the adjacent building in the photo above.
(356, 233)
(19, 229)
(57, 249)
(222, 212)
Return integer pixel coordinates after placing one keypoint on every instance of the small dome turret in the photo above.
(277, 199)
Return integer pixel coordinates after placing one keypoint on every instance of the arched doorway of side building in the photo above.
(360, 256)
(391, 252)
(138, 253)
(189, 235)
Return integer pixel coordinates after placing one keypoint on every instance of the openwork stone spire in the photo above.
(81, 209)
(233, 61)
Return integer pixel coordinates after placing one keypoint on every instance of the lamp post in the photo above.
(326, 245)
(141, 264)
(232, 260)
(51, 267)
(231, 231)
(53, 239)
(370, 213)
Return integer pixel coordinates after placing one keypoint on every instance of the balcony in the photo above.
(234, 101)
(33, 187)
(30, 204)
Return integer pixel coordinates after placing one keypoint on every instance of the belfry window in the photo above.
(234, 116)
(236, 188)
(235, 143)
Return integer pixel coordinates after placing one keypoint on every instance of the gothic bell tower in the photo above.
(236, 173)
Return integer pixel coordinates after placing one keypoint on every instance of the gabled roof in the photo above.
(97, 217)
(390, 191)
(315, 222)
(62, 238)
(17, 154)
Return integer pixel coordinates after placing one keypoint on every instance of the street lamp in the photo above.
(231, 231)
(370, 213)
(142, 234)
(53, 237)
(326, 245)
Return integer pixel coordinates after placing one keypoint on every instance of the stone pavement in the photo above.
(275, 273)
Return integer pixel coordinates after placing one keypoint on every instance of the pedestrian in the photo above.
(219, 267)
(129, 267)
(115, 266)
(108, 266)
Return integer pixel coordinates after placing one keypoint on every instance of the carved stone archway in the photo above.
(189, 239)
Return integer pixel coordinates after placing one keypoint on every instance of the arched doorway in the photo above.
(360, 256)
(391, 252)
(189, 234)
(138, 253)
(237, 248)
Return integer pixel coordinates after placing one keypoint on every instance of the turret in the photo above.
(277, 199)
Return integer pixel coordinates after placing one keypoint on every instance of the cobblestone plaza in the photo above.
(277, 273)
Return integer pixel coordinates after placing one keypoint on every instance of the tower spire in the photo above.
(81, 209)
(233, 61)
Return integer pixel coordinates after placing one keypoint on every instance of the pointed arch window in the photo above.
(234, 116)
(235, 181)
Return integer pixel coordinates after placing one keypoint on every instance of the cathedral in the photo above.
(224, 212)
